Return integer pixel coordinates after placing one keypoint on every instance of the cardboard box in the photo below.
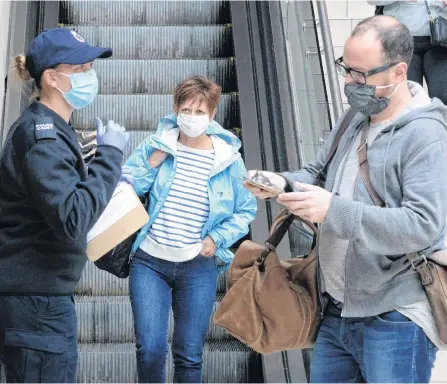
(123, 216)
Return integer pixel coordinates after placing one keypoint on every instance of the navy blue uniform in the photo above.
(48, 203)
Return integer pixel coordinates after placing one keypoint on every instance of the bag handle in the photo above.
(279, 229)
(283, 216)
(285, 219)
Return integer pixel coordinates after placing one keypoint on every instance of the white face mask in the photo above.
(193, 126)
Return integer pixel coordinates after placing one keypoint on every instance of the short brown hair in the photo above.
(197, 88)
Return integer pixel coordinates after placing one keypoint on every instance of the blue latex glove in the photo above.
(112, 134)
(126, 175)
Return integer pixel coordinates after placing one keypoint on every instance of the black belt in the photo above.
(337, 303)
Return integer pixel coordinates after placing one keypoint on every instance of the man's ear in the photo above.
(400, 72)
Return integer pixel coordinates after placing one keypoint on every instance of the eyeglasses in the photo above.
(358, 76)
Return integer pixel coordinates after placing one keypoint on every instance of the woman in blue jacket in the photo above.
(198, 208)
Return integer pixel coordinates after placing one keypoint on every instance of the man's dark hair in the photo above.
(397, 41)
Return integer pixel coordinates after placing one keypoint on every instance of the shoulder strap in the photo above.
(428, 10)
(378, 10)
(417, 260)
(364, 167)
(341, 131)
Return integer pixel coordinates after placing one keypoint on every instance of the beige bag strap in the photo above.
(417, 260)
(364, 167)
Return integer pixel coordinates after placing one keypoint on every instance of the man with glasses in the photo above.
(377, 325)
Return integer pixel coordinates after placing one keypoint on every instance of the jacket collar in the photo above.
(225, 154)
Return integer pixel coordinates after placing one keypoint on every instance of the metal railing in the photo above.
(328, 50)
(315, 92)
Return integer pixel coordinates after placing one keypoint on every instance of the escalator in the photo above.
(273, 98)
(156, 45)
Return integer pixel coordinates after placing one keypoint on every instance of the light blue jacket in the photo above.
(232, 207)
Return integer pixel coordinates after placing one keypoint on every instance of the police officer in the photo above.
(48, 203)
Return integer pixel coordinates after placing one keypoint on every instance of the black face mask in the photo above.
(362, 97)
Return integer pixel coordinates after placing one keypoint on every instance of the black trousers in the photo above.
(38, 339)
(430, 63)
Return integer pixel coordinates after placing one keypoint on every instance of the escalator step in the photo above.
(136, 137)
(106, 319)
(143, 112)
(145, 12)
(224, 362)
(162, 42)
(95, 281)
(124, 77)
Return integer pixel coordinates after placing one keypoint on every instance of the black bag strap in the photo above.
(277, 235)
(344, 125)
(428, 11)
(379, 10)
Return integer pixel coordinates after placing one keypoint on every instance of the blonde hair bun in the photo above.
(19, 68)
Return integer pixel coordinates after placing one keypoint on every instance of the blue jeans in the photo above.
(386, 348)
(190, 289)
(38, 339)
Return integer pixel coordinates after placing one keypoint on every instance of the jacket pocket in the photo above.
(224, 199)
(35, 356)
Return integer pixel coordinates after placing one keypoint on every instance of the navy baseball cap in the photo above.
(60, 46)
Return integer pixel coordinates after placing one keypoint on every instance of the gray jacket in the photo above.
(413, 13)
(408, 168)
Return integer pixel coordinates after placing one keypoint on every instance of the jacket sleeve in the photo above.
(412, 227)
(143, 174)
(70, 205)
(234, 228)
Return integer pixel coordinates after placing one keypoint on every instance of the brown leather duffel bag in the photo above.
(271, 305)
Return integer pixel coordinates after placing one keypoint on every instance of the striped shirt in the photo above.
(176, 233)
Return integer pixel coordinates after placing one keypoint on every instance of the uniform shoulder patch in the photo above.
(44, 129)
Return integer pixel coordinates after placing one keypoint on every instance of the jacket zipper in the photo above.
(350, 243)
(320, 297)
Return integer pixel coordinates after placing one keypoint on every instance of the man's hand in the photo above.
(311, 204)
(208, 247)
(157, 158)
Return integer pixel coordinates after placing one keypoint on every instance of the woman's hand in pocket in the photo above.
(157, 158)
(208, 247)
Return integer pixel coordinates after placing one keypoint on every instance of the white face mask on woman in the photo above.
(193, 126)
